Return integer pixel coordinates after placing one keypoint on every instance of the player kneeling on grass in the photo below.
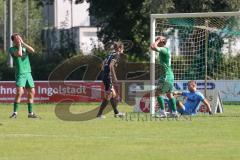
(109, 78)
(166, 80)
(19, 52)
(193, 99)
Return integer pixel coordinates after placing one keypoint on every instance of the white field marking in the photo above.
(27, 135)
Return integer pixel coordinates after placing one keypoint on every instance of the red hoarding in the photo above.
(56, 91)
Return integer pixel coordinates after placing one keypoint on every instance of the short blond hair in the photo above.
(118, 44)
(192, 82)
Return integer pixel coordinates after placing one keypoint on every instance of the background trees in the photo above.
(129, 19)
(118, 19)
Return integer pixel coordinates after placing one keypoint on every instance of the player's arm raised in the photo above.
(18, 52)
(112, 70)
(28, 47)
(208, 106)
(154, 46)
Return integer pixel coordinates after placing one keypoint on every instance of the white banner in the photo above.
(229, 89)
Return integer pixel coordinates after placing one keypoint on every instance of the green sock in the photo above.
(15, 106)
(173, 105)
(30, 107)
(161, 102)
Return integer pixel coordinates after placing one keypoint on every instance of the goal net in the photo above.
(204, 46)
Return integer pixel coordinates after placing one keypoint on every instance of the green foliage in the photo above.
(42, 66)
(230, 67)
(100, 53)
(129, 19)
(122, 19)
(30, 33)
(205, 6)
(6, 73)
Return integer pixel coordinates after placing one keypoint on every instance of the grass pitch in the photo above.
(201, 138)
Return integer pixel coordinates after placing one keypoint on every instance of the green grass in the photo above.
(201, 138)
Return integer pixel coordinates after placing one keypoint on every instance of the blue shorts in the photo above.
(186, 110)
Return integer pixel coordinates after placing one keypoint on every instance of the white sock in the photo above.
(175, 112)
(162, 111)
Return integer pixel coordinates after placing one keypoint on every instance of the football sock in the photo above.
(15, 107)
(114, 103)
(161, 102)
(173, 105)
(30, 107)
(102, 107)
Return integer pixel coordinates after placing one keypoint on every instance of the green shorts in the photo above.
(165, 84)
(24, 80)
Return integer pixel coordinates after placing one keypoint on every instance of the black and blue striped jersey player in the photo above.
(109, 79)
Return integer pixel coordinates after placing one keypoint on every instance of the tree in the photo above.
(35, 18)
(129, 19)
(126, 20)
(205, 5)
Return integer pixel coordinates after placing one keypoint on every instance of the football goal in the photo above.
(204, 46)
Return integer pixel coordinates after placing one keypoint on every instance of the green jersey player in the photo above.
(166, 80)
(19, 52)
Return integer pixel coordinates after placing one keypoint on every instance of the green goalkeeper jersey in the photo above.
(165, 62)
(22, 64)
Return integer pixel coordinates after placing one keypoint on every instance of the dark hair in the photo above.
(13, 36)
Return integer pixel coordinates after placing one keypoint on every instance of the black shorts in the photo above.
(107, 81)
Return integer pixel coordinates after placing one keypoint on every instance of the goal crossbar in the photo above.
(187, 15)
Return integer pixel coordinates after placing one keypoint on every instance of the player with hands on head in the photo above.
(19, 52)
(166, 80)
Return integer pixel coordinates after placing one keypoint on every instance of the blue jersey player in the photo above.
(109, 78)
(193, 100)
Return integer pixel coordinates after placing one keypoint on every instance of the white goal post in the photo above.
(204, 23)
